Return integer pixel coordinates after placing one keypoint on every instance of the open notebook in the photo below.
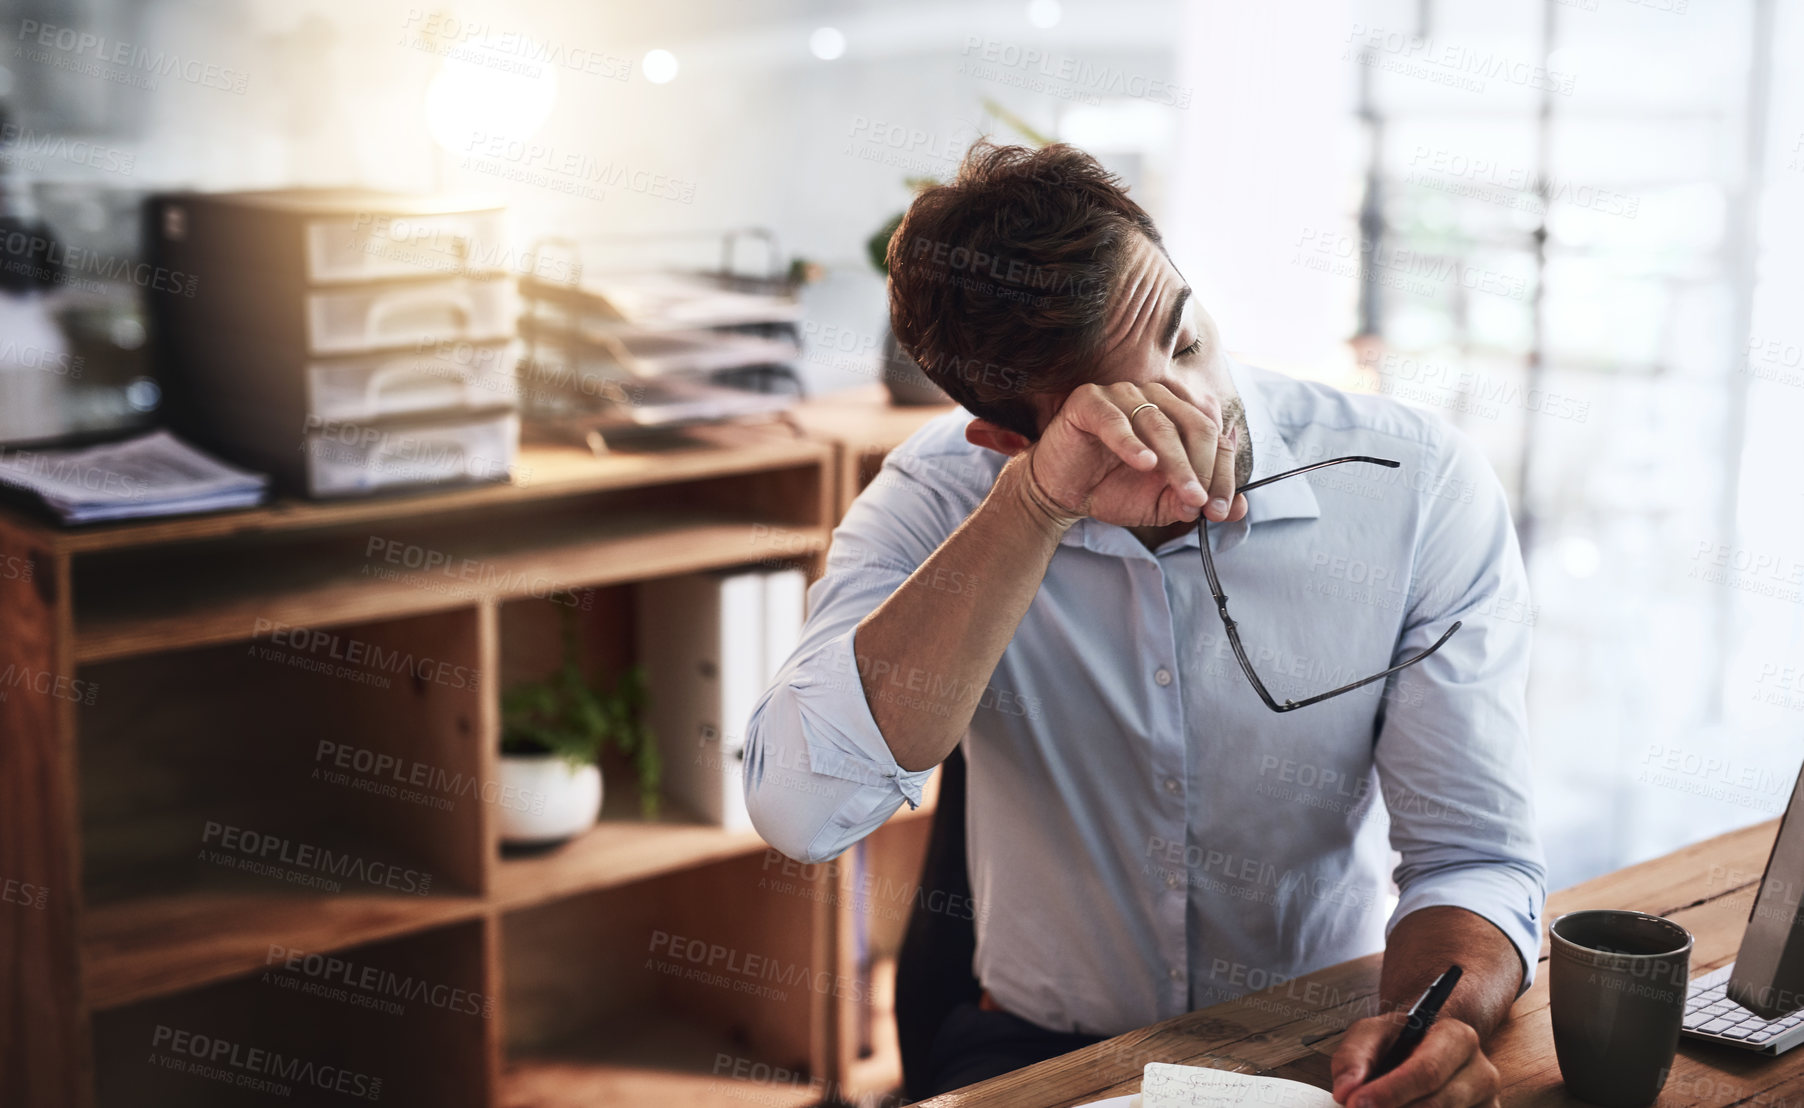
(1167, 1086)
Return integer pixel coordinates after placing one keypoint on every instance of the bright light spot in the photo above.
(1580, 556)
(143, 394)
(127, 333)
(1044, 13)
(660, 66)
(469, 102)
(826, 43)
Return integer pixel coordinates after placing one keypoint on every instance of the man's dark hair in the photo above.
(999, 283)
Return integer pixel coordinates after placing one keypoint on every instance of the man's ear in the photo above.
(990, 436)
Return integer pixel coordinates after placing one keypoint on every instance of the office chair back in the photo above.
(933, 968)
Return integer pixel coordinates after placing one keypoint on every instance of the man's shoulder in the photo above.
(1439, 461)
(1302, 407)
(1321, 421)
(939, 452)
(937, 462)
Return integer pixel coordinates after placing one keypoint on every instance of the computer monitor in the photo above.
(1768, 978)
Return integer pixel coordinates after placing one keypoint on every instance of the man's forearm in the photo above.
(1425, 942)
(924, 656)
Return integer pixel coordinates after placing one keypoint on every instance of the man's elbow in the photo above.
(784, 828)
(785, 815)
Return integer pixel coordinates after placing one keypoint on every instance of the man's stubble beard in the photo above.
(1234, 415)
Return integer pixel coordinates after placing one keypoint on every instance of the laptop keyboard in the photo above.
(1709, 1012)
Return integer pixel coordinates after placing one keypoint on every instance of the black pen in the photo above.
(1421, 1018)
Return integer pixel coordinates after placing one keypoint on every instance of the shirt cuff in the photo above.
(1497, 892)
(842, 736)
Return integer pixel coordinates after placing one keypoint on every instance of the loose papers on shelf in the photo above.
(153, 475)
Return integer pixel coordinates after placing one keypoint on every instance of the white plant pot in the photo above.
(544, 799)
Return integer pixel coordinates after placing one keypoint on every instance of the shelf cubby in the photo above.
(684, 978)
(366, 782)
(406, 1021)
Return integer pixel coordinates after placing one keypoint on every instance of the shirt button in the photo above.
(1175, 973)
(1163, 676)
(1172, 880)
(1172, 786)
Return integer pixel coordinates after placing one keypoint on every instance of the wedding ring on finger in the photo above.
(1141, 408)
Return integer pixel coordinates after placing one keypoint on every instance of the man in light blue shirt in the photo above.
(1146, 837)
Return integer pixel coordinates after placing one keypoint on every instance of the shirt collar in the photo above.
(1291, 499)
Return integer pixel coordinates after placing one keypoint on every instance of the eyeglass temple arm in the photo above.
(1221, 602)
(1293, 705)
(1251, 485)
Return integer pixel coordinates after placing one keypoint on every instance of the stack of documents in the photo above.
(152, 475)
(657, 353)
(660, 300)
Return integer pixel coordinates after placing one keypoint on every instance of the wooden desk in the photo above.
(1291, 1030)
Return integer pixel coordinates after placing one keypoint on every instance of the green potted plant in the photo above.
(553, 733)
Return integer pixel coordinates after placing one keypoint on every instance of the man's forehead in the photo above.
(1147, 302)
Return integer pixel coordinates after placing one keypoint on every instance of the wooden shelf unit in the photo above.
(144, 706)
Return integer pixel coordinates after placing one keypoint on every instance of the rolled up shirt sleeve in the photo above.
(1453, 745)
(818, 774)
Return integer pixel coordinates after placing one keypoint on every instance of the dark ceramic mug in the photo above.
(1617, 982)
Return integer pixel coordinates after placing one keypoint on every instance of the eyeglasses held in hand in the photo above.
(1227, 621)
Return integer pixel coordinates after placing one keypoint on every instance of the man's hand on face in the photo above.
(1170, 463)
(1448, 1069)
